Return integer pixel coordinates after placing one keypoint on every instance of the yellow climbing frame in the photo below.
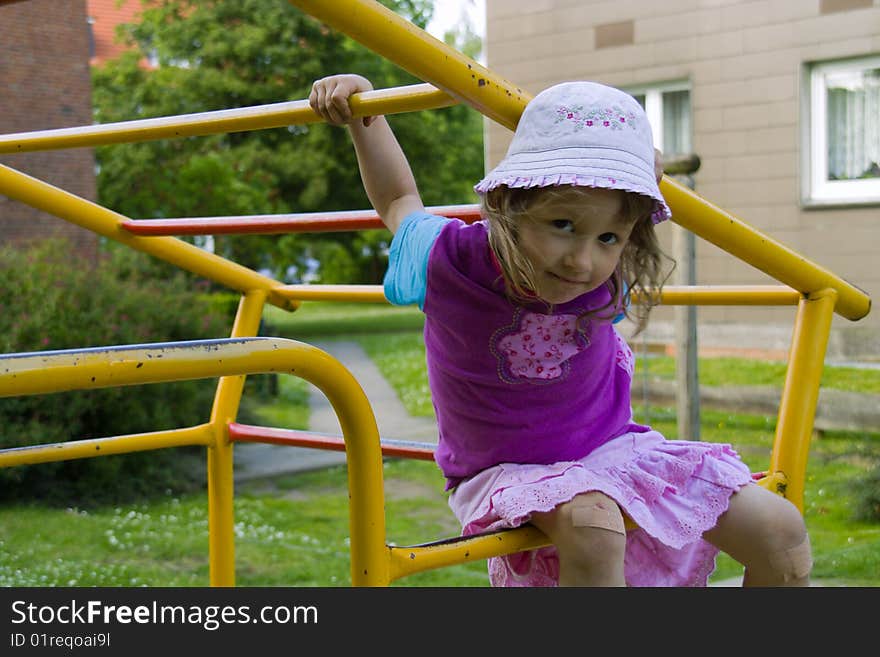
(450, 78)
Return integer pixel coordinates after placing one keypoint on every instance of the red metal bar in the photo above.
(313, 222)
(292, 438)
(249, 433)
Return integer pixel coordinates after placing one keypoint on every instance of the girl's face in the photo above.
(574, 240)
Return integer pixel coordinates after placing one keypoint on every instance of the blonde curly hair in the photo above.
(640, 270)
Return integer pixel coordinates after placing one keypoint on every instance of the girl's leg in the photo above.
(766, 534)
(589, 536)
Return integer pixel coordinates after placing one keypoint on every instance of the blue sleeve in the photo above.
(406, 281)
(622, 315)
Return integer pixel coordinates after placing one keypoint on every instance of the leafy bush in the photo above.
(50, 301)
(867, 489)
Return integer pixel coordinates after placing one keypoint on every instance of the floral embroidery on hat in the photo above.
(596, 117)
(536, 347)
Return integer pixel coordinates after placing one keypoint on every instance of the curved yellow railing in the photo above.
(449, 77)
(81, 369)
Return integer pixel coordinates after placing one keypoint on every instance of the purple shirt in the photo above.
(509, 383)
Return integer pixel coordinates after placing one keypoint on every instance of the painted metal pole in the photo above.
(82, 449)
(381, 101)
(221, 513)
(687, 374)
(800, 394)
(730, 295)
(304, 222)
(393, 37)
(774, 259)
(672, 295)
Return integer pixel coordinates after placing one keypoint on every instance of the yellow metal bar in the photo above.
(428, 58)
(672, 295)
(775, 482)
(408, 560)
(365, 293)
(102, 221)
(46, 372)
(383, 101)
(81, 449)
(221, 490)
(747, 244)
(800, 393)
(716, 295)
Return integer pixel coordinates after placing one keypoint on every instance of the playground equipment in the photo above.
(449, 78)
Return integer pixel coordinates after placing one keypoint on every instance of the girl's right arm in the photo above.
(385, 171)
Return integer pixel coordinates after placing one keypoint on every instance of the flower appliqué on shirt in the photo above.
(535, 348)
(613, 117)
(624, 356)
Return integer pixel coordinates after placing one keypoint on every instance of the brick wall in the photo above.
(744, 61)
(46, 83)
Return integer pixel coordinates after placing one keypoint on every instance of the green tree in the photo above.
(219, 54)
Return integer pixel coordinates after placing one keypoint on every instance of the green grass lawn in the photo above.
(327, 319)
(293, 530)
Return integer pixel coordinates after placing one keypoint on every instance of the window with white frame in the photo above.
(842, 155)
(668, 107)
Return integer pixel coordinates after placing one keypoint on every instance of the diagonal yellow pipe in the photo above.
(428, 58)
(98, 219)
(761, 251)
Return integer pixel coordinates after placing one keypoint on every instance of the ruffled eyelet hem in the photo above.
(674, 491)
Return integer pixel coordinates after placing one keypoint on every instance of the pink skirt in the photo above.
(673, 490)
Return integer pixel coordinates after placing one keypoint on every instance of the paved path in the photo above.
(254, 460)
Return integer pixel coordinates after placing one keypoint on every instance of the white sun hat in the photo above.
(584, 134)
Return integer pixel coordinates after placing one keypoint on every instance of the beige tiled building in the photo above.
(780, 99)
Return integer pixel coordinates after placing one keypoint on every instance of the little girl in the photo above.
(530, 379)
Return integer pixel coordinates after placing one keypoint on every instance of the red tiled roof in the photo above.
(104, 16)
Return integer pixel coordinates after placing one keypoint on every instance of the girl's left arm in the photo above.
(385, 171)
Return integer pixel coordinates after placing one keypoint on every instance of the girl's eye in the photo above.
(563, 224)
(608, 238)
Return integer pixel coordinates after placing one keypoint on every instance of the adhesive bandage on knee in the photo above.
(795, 562)
(590, 512)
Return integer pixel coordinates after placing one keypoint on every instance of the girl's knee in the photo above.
(784, 525)
(792, 564)
(590, 539)
(595, 510)
(790, 555)
(772, 540)
(589, 526)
